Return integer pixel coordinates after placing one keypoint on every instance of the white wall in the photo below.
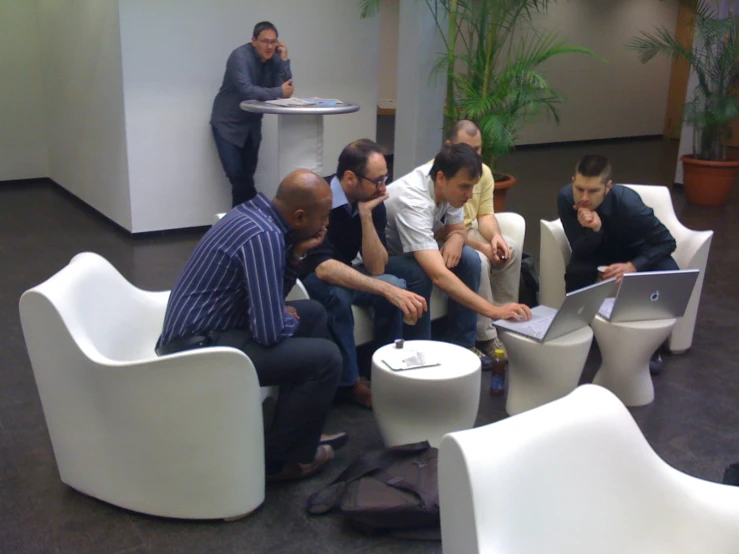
(174, 54)
(22, 134)
(618, 98)
(83, 100)
(420, 103)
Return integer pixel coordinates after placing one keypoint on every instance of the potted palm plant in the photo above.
(492, 59)
(708, 174)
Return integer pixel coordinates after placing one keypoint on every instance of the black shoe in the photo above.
(655, 364)
(335, 441)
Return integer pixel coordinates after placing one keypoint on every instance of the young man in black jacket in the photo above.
(609, 225)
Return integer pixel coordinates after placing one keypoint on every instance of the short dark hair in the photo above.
(354, 157)
(263, 26)
(466, 125)
(594, 165)
(454, 157)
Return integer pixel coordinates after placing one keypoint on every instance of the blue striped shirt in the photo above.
(236, 278)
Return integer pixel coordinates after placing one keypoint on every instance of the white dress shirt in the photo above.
(413, 216)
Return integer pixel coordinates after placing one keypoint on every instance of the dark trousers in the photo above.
(306, 367)
(582, 273)
(240, 164)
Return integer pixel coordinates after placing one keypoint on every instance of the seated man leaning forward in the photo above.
(609, 225)
(357, 225)
(427, 201)
(499, 256)
(231, 293)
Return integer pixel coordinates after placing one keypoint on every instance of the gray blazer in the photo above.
(246, 78)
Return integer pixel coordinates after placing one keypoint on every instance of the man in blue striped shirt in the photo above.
(231, 293)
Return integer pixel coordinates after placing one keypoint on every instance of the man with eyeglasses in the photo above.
(253, 72)
(357, 226)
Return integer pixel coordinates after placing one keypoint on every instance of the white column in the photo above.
(420, 100)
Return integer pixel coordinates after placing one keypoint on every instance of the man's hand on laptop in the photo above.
(513, 311)
(618, 270)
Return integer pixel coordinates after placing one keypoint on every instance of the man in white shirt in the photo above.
(425, 206)
(500, 256)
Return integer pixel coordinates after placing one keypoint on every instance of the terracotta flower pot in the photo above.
(503, 182)
(708, 183)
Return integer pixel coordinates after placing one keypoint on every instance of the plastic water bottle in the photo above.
(497, 375)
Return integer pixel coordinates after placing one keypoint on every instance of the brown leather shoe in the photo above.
(335, 441)
(293, 471)
(360, 393)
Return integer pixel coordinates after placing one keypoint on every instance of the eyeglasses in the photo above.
(267, 42)
(377, 182)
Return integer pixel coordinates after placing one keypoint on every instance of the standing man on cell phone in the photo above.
(253, 72)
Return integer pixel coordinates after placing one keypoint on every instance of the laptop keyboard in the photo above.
(536, 328)
(607, 308)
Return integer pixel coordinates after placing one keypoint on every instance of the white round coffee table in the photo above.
(424, 404)
(541, 372)
(626, 349)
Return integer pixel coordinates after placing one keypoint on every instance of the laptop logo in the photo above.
(654, 296)
(580, 311)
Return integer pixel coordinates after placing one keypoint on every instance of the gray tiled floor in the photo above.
(693, 423)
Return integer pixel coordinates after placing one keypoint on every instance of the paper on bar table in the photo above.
(313, 101)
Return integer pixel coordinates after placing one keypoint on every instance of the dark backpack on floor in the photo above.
(393, 490)
(528, 292)
(731, 475)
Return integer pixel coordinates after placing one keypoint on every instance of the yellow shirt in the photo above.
(481, 202)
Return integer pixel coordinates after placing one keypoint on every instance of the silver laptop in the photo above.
(577, 311)
(650, 295)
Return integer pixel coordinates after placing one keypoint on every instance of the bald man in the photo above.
(232, 293)
(500, 257)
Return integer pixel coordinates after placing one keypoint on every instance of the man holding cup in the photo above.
(357, 226)
(610, 230)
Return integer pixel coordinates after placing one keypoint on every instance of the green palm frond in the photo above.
(492, 61)
(714, 57)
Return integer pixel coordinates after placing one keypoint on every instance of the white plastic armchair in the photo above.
(576, 476)
(691, 253)
(177, 436)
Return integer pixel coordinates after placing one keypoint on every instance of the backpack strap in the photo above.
(327, 498)
(428, 501)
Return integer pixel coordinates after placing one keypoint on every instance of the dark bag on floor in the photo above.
(528, 292)
(393, 490)
(731, 475)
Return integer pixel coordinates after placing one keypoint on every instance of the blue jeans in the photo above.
(461, 321)
(240, 164)
(388, 320)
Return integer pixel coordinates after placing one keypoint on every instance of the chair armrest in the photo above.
(513, 226)
(554, 254)
(298, 292)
